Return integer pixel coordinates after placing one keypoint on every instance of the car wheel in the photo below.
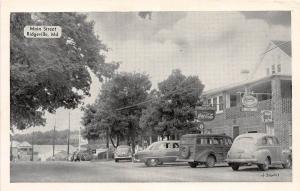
(152, 162)
(210, 161)
(116, 160)
(288, 163)
(235, 166)
(193, 164)
(265, 165)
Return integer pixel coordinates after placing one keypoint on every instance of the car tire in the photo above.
(210, 161)
(116, 160)
(235, 166)
(265, 165)
(288, 163)
(193, 164)
(152, 162)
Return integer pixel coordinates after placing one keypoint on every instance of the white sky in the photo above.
(215, 46)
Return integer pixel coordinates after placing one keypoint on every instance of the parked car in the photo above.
(158, 153)
(123, 152)
(260, 149)
(205, 149)
(82, 156)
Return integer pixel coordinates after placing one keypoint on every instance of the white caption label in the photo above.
(42, 31)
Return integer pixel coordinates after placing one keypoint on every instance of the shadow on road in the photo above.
(179, 164)
(253, 168)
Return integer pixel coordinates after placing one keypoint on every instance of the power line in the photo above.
(141, 103)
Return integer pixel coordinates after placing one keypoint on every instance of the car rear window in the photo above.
(124, 149)
(227, 141)
(245, 140)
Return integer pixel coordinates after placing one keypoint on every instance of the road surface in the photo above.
(109, 171)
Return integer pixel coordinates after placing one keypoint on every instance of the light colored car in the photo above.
(123, 152)
(158, 153)
(260, 149)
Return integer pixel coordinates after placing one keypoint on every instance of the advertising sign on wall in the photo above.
(266, 116)
(205, 113)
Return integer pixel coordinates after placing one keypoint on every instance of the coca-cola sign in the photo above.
(205, 113)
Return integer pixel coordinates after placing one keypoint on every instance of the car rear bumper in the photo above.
(241, 161)
(185, 160)
(123, 157)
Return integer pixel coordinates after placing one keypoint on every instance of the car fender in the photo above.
(285, 154)
(261, 155)
(203, 155)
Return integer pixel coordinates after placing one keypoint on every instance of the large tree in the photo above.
(174, 111)
(50, 73)
(118, 108)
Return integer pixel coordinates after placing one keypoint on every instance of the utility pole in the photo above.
(32, 134)
(11, 144)
(68, 150)
(79, 139)
(53, 141)
(107, 144)
(107, 133)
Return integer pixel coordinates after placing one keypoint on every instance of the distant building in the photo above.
(272, 89)
(23, 151)
(14, 150)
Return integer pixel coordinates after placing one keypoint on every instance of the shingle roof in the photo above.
(240, 84)
(24, 144)
(285, 46)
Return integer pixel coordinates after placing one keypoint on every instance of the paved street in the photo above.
(109, 171)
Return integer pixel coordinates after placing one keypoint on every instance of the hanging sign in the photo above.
(266, 116)
(249, 103)
(201, 126)
(205, 113)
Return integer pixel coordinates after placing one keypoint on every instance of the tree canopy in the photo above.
(50, 73)
(173, 112)
(108, 113)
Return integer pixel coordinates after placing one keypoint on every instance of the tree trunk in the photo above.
(118, 139)
(112, 142)
(132, 135)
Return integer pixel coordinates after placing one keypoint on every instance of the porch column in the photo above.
(277, 108)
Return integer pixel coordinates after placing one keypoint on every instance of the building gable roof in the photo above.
(285, 46)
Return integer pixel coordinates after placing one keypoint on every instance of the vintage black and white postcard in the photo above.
(149, 94)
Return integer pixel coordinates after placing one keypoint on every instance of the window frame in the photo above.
(220, 104)
(230, 102)
(278, 68)
(273, 69)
